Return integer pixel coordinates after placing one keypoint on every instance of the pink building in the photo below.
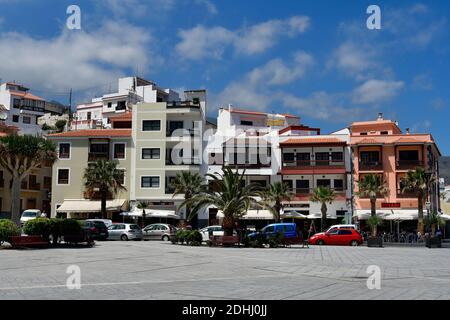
(380, 147)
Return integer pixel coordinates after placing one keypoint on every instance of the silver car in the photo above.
(159, 231)
(125, 232)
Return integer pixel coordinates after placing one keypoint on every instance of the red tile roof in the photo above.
(291, 116)
(127, 116)
(407, 140)
(94, 133)
(26, 95)
(368, 141)
(312, 141)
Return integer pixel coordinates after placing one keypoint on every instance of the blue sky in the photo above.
(315, 59)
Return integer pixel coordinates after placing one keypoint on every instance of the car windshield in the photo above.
(99, 224)
(134, 227)
(29, 214)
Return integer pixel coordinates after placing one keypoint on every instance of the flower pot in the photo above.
(375, 242)
(433, 242)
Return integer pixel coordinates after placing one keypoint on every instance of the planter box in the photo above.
(376, 242)
(433, 242)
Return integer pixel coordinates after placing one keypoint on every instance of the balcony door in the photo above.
(370, 157)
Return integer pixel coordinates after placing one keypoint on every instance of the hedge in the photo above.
(8, 229)
(55, 227)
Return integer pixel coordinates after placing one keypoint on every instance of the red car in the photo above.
(337, 237)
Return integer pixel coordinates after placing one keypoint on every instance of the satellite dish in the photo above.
(3, 115)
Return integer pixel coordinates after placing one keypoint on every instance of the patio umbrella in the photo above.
(293, 215)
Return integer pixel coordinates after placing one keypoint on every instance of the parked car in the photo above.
(339, 226)
(28, 215)
(207, 232)
(159, 231)
(289, 230)
(107, 222)
(125, 232)
(97, 229)
(338, 236)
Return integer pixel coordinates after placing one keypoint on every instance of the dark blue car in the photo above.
(287, 229)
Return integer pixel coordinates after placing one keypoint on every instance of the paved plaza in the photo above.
(156, 270)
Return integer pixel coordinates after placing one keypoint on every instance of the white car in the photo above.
(207, 232)
(28, 215)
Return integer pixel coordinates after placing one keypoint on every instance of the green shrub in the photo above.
(70, 227)
(60, 124)
(181, 236)
(276, 240)
(7, 230)
(38, 227)
(194, 237)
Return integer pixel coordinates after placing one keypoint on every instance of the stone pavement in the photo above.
(155, 270)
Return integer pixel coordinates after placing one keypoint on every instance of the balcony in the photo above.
(312, 163)
(310, 191)
(185, 162)
(247, 165)
(409, 164)
(96, 156)
(183, 104)
(370, 166)
(28, 108)
(379, 196)
(2, 183)
(34, 186)
(184, 133)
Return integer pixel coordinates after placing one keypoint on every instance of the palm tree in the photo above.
(103, 178)
(273, 197)
(323, 195)
(143, 206)
(229, 195)
(418, 181)
(19, 155)
(188, 184)
(433, 220)
(372, 186)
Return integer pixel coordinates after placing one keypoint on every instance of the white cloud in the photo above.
(75, 59)
(201, 42)
(210, 6)
(376, 91)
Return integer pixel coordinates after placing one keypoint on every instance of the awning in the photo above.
(445, 216)
(252, 215)
(89, 206)
(293, 215)
(151, 213)
(363, 214)
(318, 215)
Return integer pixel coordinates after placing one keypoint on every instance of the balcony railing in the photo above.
(184, 162)
(34, 186)
(182, 104)
(246, 165)
(182, 132)
(379, 196)
(309, 191)
(312, 163)
(96, 156)
(409, 164)
(28, 108)
(370, 166)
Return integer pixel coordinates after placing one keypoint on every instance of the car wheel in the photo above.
(124, 237)
(354, 243)
(165, 238)
(320, 242)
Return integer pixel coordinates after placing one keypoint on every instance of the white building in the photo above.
(131, 90)
(22, 108)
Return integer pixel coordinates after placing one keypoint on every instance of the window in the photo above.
(302, 186)
(370, 156)
(345, 232)
(339, 184)
(288, 157)
(246, 123)
(303, 156)
(119, 151)
(121, 105)
(26, 120)
(149, 182)
(323, 156)
(63, 176)
(99, 148)
(47, 183)
(384, 132)
(15, 118)
(89, 115)
(324, 183)
(363, 134)
(16, 103)
(175, 125)
(109, 104)
(269, 229)
(151, 125)
(151, 153)
(64, 151)
(410, 155)
(337, 156)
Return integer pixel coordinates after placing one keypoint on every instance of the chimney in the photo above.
(380, 116)
(407, 131)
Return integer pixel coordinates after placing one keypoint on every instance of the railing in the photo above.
(370, 166)
(406, 194)
(379, 196)
(409, 164)
(184, 162)
(170, 190)
(312, 163)
(36, 109)
(182, 132)
(309, 191)
(64, 155)
(96, 156)
(247, 165)
(182, 104)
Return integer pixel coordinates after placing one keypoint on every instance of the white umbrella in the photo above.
(293, 214)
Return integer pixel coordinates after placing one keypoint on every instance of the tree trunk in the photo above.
(103, 201)
(143, 218)
(324, 210)
(420, 225)
(278, 210)
(15, 200)
(373, 213)
(228, 224)
(433, 230)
